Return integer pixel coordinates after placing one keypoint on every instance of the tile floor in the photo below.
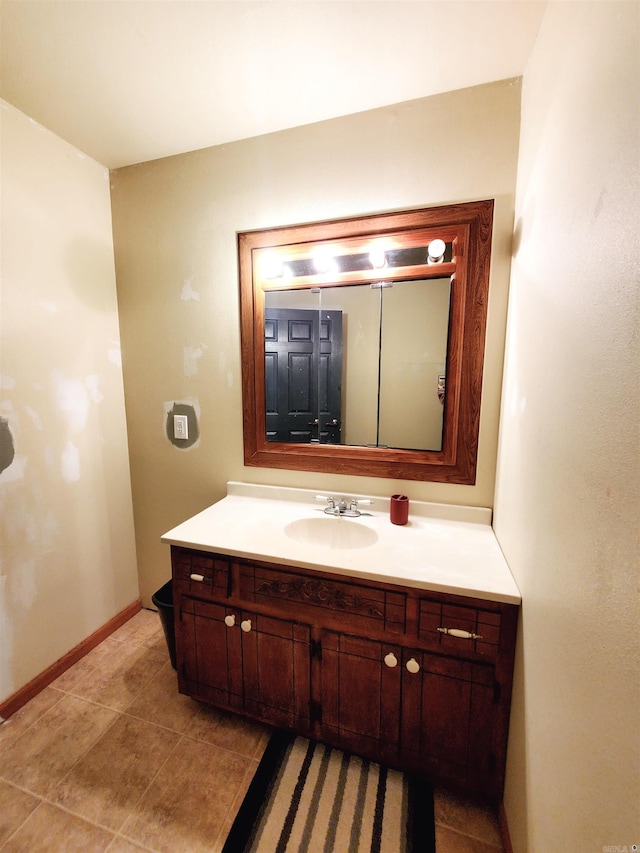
(111, 758)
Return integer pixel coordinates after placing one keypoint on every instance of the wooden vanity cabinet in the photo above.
(365, 666)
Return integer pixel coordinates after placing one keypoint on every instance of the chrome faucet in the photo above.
(339, 506)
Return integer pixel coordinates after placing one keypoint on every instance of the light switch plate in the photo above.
(180, 427)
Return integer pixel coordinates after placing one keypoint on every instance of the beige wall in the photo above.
(567, 505)
(175, 224)
(66, 526)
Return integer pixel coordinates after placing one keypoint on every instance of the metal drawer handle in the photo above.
(195, 577)
(463, 635)
(391, 660)
(230, 620)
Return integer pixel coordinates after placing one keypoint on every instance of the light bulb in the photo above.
(323, 259)
(271, 266)
(435, 252)
(377, 257)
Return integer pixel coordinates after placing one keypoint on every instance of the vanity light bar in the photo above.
(323, 263)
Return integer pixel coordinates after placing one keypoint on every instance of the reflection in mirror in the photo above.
(291, 355)
(357, 365)
(393, 355)
(413, 355)
(360, 308)
(343, 375)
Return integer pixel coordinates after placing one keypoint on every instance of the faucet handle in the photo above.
(353, 510)
(328, 500)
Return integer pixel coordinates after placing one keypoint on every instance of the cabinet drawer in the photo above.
(385, 609)
(200, 574)
(479, 629)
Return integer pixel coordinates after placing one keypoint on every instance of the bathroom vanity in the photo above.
(394, 642)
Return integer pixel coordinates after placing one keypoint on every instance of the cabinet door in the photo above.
(360, 690)
(275, 656)
(447, 718)
(238, 659)
(204, 646)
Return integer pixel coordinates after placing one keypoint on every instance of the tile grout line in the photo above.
(18, 828)
(168, 728)
(41, 799)
(119, 715)
(234, 809)
(9, 720)
(497, 847)
(144, 848)
(47, 800)
(120, 832)
(88, 750)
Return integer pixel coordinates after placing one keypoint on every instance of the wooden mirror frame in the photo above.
(468, 227)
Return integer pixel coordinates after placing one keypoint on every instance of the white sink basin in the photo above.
(334, 533)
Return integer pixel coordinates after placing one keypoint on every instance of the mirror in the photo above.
(360, 353)
(376, 354)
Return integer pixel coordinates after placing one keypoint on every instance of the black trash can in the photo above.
(163, 600)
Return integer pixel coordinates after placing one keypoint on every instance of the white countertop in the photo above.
(443, 548)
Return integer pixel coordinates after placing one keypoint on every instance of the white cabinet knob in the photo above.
(391, 660)
(195, 577)
(413, 665)
(230, 620)
(246, 625)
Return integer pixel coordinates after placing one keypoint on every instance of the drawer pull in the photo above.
(246, 625)
(413, 665)
(391, 660)
(195, 577)
(463, 635)
(230, 620)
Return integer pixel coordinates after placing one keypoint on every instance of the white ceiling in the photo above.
(127, 81)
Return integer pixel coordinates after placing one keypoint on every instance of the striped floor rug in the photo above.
(310, 798)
